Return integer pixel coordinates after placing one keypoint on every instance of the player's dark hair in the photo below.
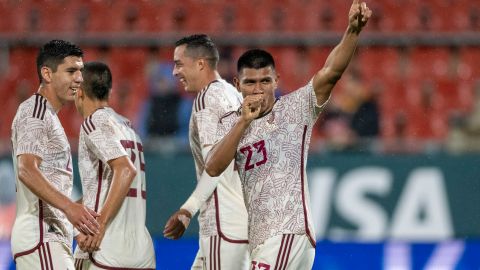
(255, 58)
(53, 54)
(200, 46)
(97, 80)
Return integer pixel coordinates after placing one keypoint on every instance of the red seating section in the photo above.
(422, 86)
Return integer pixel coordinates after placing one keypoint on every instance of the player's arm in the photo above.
(223, 152)
(29, 173)
(179, 221)
(123, 174)
(206, 120)
(338, 60)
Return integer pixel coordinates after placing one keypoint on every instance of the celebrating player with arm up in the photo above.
(268, 139)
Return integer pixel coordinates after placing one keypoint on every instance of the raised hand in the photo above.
(358, 15)
(177, 224)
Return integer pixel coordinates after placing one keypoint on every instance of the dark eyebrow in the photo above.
(249, 80)
(74, 69)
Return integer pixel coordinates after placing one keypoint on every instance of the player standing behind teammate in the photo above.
(269, 140)
(42, 232)
(223, 218)
(111, 165)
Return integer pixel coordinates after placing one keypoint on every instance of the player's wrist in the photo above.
(192, 205)
(185, 212)
(102, 220)
(244, 122)
(66, 206)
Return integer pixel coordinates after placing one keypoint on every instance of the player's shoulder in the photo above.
(216, 94)
(104, 119)
(99, 117)
(210, 92)
(230, 116)
(306, 89)
(34, 107)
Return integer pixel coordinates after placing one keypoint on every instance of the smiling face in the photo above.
(67, 78)
(186, 69)
(262, 81)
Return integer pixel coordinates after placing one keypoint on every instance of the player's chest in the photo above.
(56, 138)
(267, 143)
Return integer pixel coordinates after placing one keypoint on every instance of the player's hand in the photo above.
(251, 107)
(358, 15)
(82, 218)
(92, 243)
(81, 238)
(177, 224)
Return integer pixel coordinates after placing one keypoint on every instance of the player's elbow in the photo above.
(132, 173)
(129, 173)
(212, 170)
(23, 174)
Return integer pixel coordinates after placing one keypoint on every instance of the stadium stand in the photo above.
(421, 86)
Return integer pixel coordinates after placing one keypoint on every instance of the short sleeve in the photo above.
(207, 122)
(304, 99)
(105, 142)
(32, 136)
(214, 105)
(225, 124)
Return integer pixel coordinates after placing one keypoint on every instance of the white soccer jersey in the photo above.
(271, 158)
(224, 213)
(36, 130)
(104, 136)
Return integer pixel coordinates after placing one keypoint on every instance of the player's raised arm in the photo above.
(338, 60)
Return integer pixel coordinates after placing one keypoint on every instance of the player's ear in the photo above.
(236, 83)
(201, 63)
(46, 73)
(277, 78)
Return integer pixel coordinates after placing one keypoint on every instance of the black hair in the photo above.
(97, 80)
(255, 58)
(200, 46)
(53, 54)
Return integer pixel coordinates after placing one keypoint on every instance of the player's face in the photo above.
(186, 69)
(66, 80)
(261, 81)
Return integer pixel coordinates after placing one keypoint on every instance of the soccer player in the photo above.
(269, 140)
(223, 216)
(112, 170)
(42, 232)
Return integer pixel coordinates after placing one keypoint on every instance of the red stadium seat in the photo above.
(378, 62)
(470, 59)
(429, 62)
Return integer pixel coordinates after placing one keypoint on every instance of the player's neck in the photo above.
(49, 94)
(91, 106)
(211, 76)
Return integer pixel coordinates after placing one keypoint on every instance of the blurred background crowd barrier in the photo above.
(394, 158)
